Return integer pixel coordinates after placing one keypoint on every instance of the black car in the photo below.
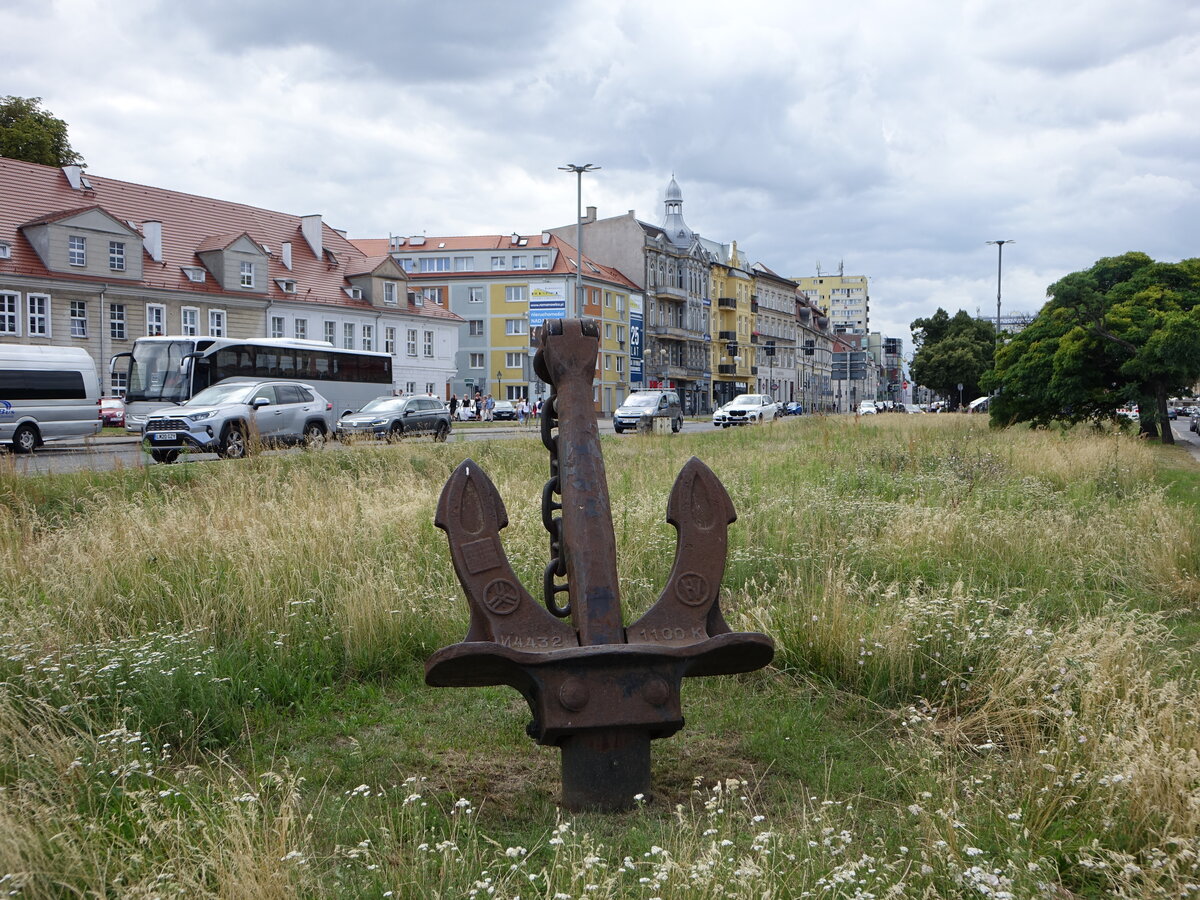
(391, 418)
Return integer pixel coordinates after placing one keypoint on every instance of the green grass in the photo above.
(212, 675)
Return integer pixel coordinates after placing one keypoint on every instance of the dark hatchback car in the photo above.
(391, 418)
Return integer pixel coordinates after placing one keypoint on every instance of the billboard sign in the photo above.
(636, 369)
(547, 300)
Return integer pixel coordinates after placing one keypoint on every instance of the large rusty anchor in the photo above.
(598, 690)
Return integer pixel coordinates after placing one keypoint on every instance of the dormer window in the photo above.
(247, 270)
(355, 293)
(390, 297)
(5, 250)
(194, 273)
(77, 250)
(116, 256)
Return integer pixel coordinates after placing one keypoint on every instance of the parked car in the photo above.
(642, 407)
(1194, 423)
(391, 418)
(793, 409)
(913, 409)
(505, 410)
(231, 416)
(112, 412)
(867, 408)
(746, 409)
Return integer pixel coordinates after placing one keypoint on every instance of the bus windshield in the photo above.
(157, 374)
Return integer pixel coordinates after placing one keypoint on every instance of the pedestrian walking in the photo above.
(453, 405)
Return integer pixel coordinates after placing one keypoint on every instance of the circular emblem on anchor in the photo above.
(501, 597)
(692, 588)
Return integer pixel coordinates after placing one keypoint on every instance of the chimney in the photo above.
(152, 239)
(74, 176)
(310, 227)
(285, 253)
(591, 215)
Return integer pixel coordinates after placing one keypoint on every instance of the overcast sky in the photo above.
(896, 138)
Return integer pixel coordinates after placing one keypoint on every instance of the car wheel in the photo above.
(441, 432)
(396, 432)
(618, 429)
(676, 425)
(24, 439)
(164, 456)
(233, 445)
(314, 436)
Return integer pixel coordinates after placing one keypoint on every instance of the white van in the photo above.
(46, 394)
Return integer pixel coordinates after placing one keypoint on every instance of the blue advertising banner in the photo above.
(636, 371)
(546, 301)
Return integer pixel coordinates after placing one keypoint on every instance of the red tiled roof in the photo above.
(35, 194)
(563, 264)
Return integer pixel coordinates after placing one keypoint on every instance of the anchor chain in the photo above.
(557, 567)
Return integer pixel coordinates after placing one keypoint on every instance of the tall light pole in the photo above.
(578, 170)
(999, 262)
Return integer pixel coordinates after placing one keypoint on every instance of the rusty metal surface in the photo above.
(596, 689)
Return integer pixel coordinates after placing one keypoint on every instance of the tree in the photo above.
(952, 351)
(1127, 330)
(31, 133)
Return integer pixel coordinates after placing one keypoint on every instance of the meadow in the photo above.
(985, 681)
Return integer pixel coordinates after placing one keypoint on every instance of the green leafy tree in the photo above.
(1125, 330)
(952, 350)
(31, 133)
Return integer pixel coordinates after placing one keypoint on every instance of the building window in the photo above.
(348, 335)
(620, 365)
(429, 344)
(607, 361)
(429, 387)
(608, 299)
(476, 360)
(116, 256)
(514, 360)
(515, 293)
(520, 262)
(189, 320)
(119, 384)
(475, 295)
(8, 314)
(432, 295)
(608, 331)
(216, 322)
(368, 337)
(39, 315)
(475, 327)
(464, 264)
(389, 340)
(247, 270)
(514, 326)
(497, 262)
(435, 264)
(77, 250)
(116, 321)
(407, 265)
(330, 332)
(541, 261)
(277, 326)
(411, 387)
(390, 297)
(411, 342)
(156, 319)
(79, 318)
(300, 329)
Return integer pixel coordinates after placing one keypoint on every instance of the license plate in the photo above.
(163, 436)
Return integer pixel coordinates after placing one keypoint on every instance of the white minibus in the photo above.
(46, 394)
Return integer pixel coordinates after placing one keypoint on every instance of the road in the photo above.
(106, 453)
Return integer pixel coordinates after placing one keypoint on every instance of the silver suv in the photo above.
(641, 407)
(231, 416)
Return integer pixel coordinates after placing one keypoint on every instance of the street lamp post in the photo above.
(498, 385)
(999, 262)
(578, 170)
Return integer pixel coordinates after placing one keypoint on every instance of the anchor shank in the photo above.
(588, 537)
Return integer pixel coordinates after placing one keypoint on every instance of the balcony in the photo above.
(726, 369)
(727, 302)
(670, 292)
(673, 332)
(754, 337)
(754, 306)
(754, 370)
(726, 335)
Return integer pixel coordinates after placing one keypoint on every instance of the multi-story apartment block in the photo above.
(736, 345)
(93, 262)
(773, 305)
(503, 287)
(669, 264)
(845, 299)
(814, 356)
